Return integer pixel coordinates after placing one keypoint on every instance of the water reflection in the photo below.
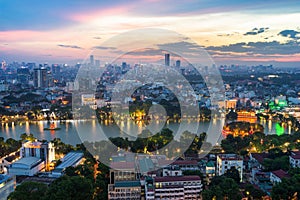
(93, 131)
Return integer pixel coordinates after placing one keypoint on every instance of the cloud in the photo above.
(256, 31)
(104, 48)
(264, 48)
(290, 34)
(97, 38)
(69, 46)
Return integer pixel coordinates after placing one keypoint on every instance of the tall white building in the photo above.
(227, 161)
(43, 150)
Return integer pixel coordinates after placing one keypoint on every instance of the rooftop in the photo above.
(27, 161)
(30, 144)
(185, 162)
(70, 159)
(260, 156)
(123, 165)
(230, 157)
(127, 184)
(176, 178)
(146, 164)
(4, 177)
(280, 173)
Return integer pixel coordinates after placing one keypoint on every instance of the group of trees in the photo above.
(227, 187)
(289, 188)
(8, 146)
(222, 187)
(260, 142)
(189, 143)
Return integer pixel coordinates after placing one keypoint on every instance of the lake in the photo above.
(75, 131)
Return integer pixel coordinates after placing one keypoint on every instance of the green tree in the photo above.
(29, 190)
(287, 189)
(234, 174)
(70, 188)
(253, 193)
(222, 187)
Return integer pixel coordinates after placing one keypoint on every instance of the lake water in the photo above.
(74, 132)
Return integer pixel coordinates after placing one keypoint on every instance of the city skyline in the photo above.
(234, 32)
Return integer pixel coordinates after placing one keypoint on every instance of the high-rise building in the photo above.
(167, 59)
(55, 69)
(92, 62)
(23, 75)
(40, 79)
(177, 63)
(97, 63)
(42, 150)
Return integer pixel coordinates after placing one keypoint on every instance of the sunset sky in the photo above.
(233, 32)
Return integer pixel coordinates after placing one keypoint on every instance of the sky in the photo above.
(232, 32)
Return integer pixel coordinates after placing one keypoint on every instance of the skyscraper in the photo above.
(167, 59)
(92, 60)
(23, 75)
(40, 77)
(97, 63)
(177, 63)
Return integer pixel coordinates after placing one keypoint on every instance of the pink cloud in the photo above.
(88, 16)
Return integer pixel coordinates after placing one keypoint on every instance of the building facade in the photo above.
(228, 161)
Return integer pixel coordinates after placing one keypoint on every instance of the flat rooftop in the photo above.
(70, 159)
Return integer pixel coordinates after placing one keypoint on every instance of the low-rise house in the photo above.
(278, 175)
(294, 159)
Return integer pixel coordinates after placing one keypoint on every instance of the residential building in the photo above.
(278, 175)
(295, 159)
(124, 183)
(125, 190)
(176, 187)
(228, 161)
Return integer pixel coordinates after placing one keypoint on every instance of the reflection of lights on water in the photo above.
(279, 129)
(270, 125)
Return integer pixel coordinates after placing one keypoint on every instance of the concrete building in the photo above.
(210, 170)
(124, 190)
(228, 161)
(124, 184)
(43, 150)
(89, 100)
(278, 175)
(40, 78)
(295, 159)
(7, 185)
(176, 187)
(167, 59)
(186, 165)
(28, 166)
(72, 159)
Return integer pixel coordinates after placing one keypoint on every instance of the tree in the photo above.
(70, 188)
(234, 174)
(253, 192)
(287, 189)
(222, 187)
(29, 190)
